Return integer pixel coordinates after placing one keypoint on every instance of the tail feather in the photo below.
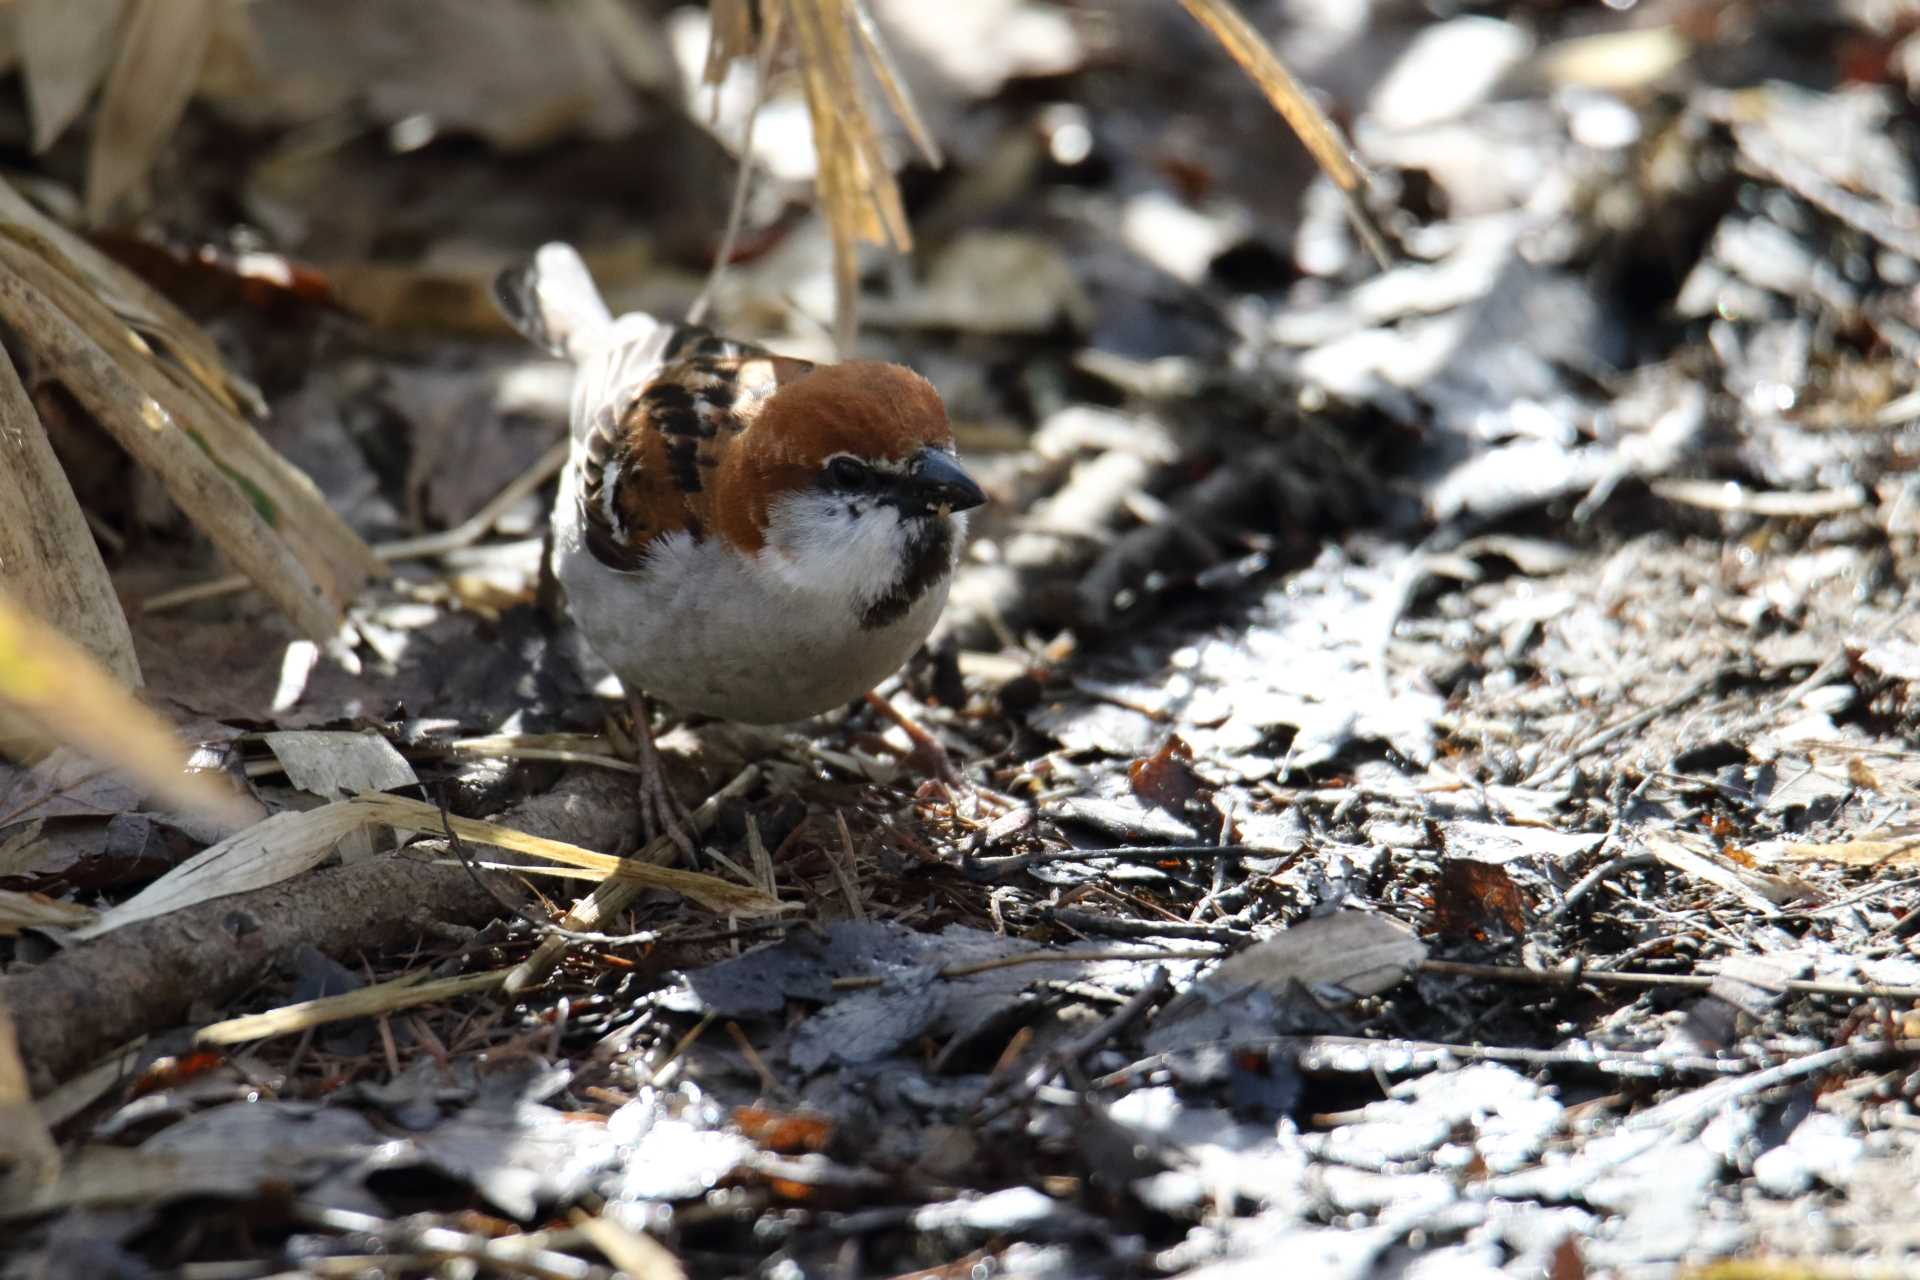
(552, 301)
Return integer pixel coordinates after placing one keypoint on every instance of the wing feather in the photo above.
(650, 452)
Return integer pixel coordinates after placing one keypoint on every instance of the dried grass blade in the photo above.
(709, 891)
(614, 896)
(1760, 890)
(880, 58)
(37, 911)
(743, 180)
(65, 47)
(29, 1157)
(65, 696)
(161, 50)
(1310, 124)
(202, 398)
(405, 992)
(854, 183)
(1878, 850)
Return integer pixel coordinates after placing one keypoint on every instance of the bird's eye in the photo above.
(849, 475)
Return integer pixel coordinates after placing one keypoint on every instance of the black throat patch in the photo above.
(928, 557)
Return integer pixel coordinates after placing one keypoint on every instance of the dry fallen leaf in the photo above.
(37, 911)
(154, 73)
(1885, 850)
(1697, 858)
(65, 47)
(1479, 900)
(1166, 777)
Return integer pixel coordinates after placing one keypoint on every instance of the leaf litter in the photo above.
(1438, 740)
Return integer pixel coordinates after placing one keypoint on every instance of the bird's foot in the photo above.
(661, 812)
(927, 755)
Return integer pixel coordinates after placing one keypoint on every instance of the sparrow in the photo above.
(740, 534)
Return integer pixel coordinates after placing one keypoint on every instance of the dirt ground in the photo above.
(1438, 744)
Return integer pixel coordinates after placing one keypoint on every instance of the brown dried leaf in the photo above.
(1477, 900)
(788, 1132)
(1166, 777)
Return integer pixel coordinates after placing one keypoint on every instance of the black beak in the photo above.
(935, 482)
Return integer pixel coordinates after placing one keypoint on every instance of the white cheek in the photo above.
(817, 546)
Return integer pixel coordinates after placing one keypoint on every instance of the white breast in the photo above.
(711, 631)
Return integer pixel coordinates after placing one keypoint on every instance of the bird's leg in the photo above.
(661, 812)
(927, 755)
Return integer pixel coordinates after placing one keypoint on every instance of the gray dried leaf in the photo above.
(336, 764)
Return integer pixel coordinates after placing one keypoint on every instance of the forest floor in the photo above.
(1439, 744)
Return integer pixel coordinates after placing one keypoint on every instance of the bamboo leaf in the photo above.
(153, 76)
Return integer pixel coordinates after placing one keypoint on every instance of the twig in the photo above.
(1116, 927)
(1682, 982)
(1700, 687)
(541, 1254)
(1070, 1054)
(844, 872)
(1592, 880)
(1693, 1109)
(1402, 1057)
(987, 870)
(1032, 957)
(613, 896)
(546, 928)
(743, 181)
(769, 1083)
(467, 532)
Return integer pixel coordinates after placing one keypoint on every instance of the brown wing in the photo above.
(651, 460)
